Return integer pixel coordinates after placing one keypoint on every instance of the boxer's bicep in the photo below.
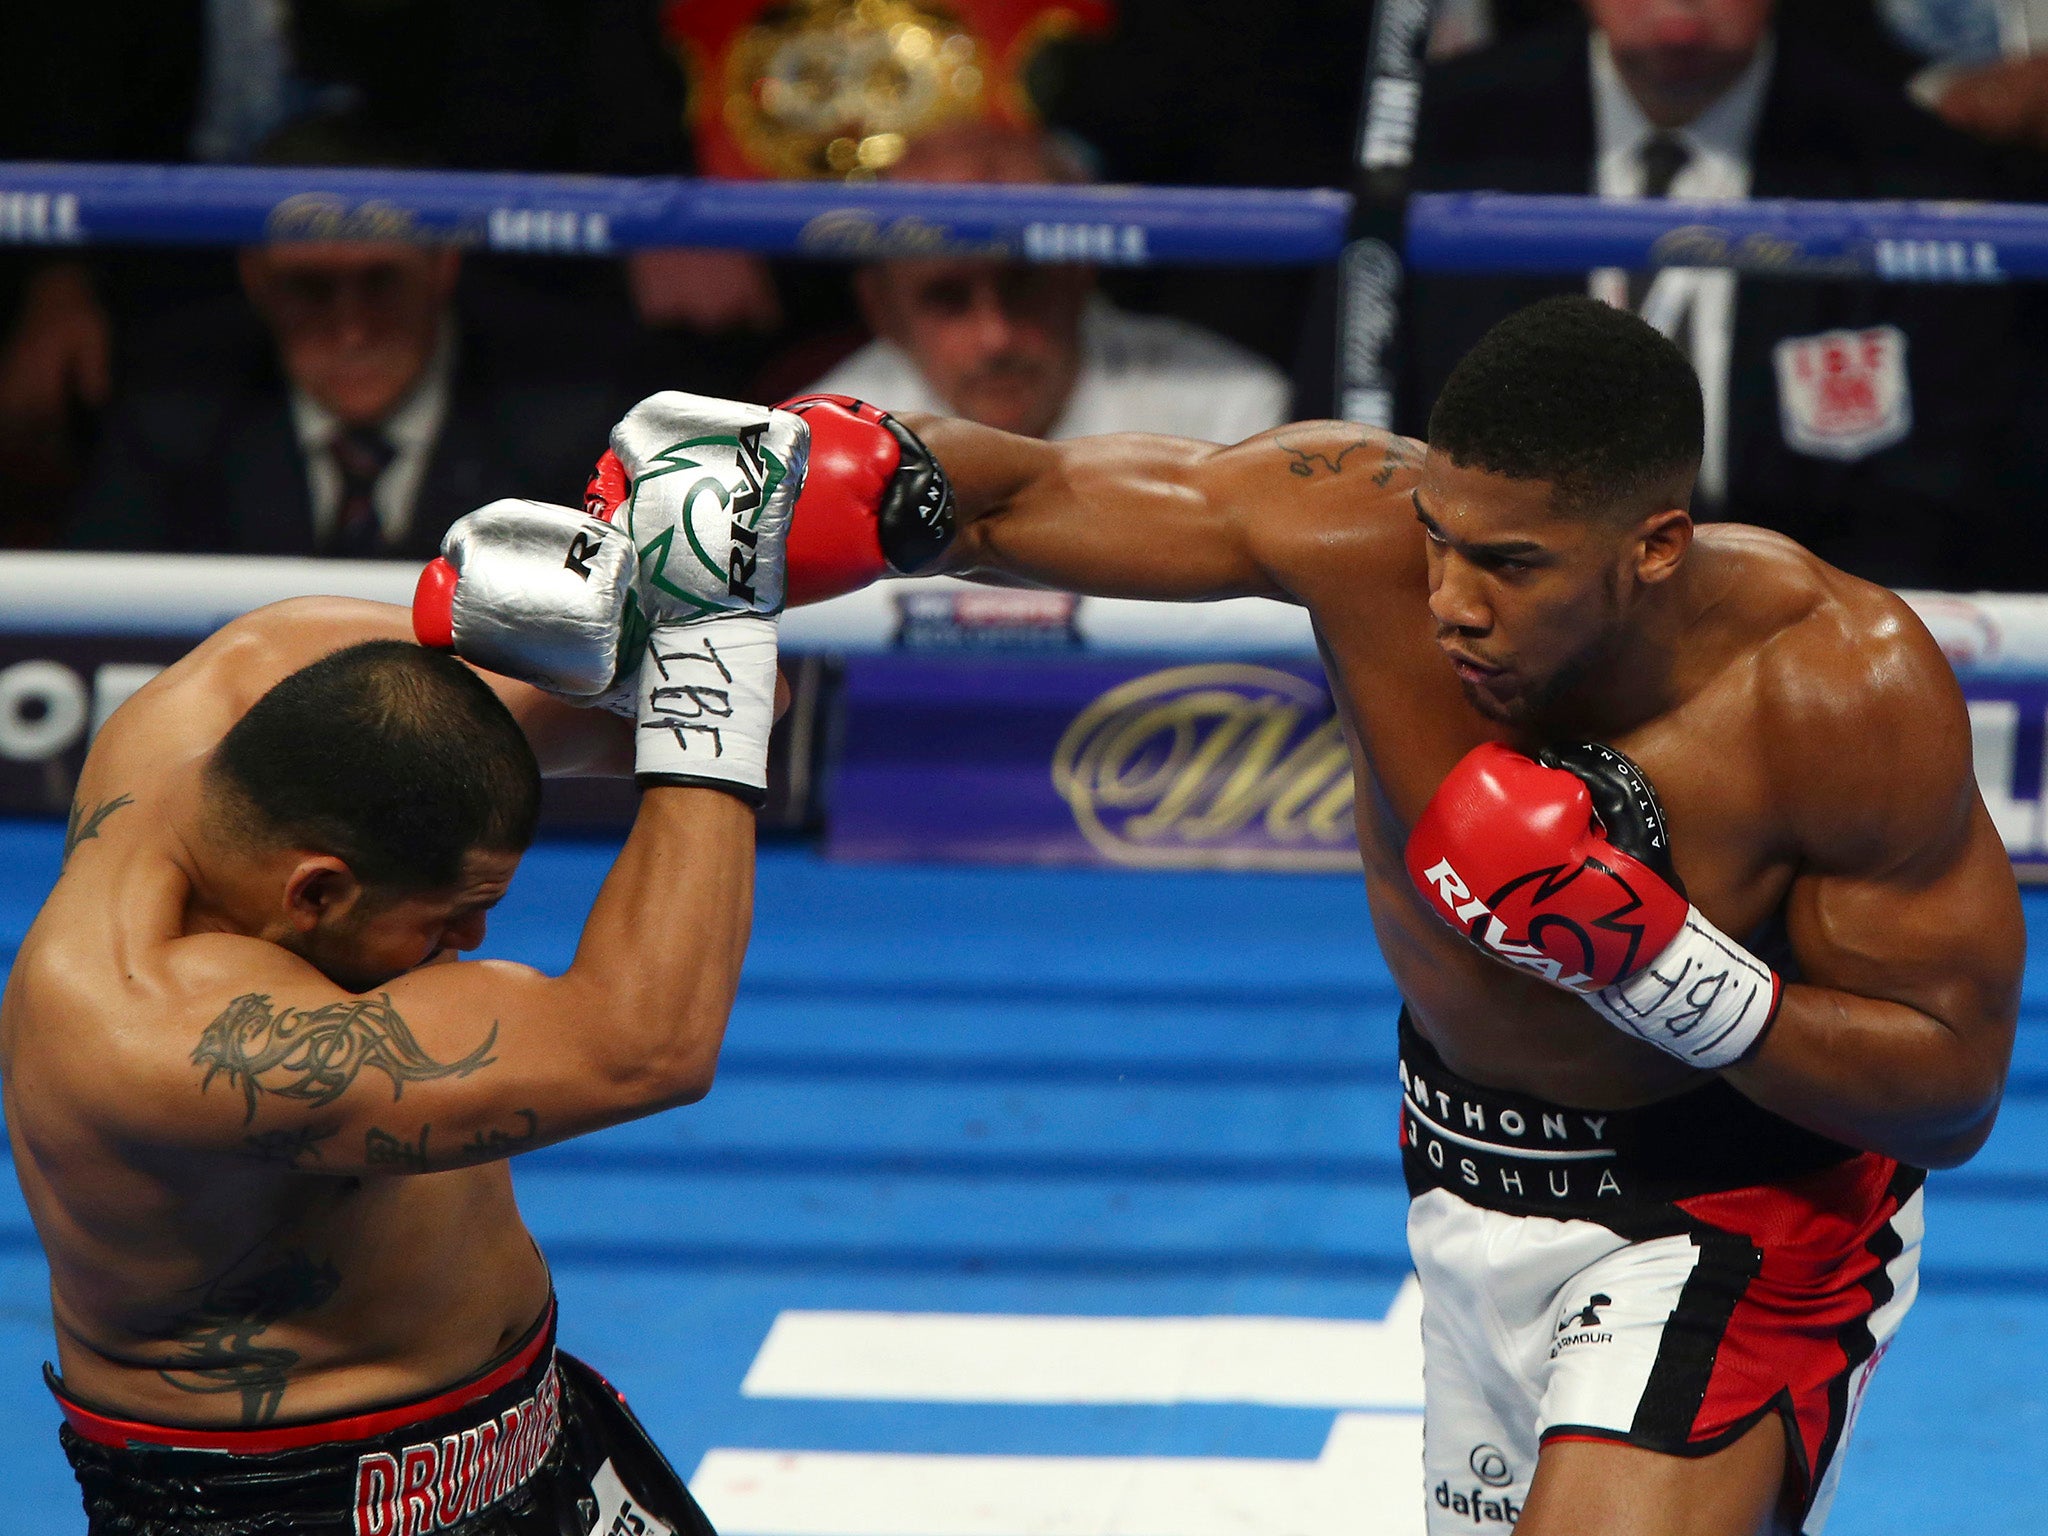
(1941, 934)
(449, 1066)
(1905, 892)
(1895, 1029)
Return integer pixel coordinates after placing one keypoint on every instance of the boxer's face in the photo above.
(1679, 56)
(355, 323)
(361, 937)
(999, 343)
(1529, 599)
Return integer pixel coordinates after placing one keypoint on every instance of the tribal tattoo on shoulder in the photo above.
(220, 1335)
(313, 1055)
(1396, 454)
(82, 826)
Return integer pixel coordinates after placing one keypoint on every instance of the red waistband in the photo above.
(104, 1429)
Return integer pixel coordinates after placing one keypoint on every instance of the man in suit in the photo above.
(350, 404)
(1867, 420)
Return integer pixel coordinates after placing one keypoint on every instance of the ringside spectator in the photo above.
(1865, 419)
(351, 402)
(1033, 348)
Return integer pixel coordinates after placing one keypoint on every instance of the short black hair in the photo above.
(395, 759)
(1576, 392)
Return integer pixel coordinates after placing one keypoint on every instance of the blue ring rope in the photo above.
(75, 204)
(50, 204)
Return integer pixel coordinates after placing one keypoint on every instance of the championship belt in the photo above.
(837, 88)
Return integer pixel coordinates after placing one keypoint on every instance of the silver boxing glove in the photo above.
(705, 489)
(545, 595)
(531, 591)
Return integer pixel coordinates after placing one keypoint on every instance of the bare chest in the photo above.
(1408, 724)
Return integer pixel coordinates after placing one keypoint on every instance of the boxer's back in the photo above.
(188, 1284)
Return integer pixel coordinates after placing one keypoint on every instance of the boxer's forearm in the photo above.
(659, 962)
(1122, 516)
(1877, 1075)
(567, 739)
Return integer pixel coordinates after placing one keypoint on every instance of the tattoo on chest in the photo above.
(1396, 454)
(286, 1147)
(83, 826)
(314, 1055)
(221, 1336)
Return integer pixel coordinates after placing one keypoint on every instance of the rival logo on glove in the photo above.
(1524, 897)
(582, 549)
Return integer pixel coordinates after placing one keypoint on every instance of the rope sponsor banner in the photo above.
(976, 722)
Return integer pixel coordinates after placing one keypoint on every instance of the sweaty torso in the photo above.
(204, 1287)
(1363, 576)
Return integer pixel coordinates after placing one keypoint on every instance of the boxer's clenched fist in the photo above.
(705, 489)
(1559, 864)
(875, 502)
(531, 591)
(548, 595)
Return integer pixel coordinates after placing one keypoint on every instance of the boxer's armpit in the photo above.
(313, 1056)
(82, 825)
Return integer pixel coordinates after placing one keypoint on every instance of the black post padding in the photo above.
(1369, 273)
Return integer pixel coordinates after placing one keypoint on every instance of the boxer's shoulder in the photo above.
(1331, 499)
(1857, 705)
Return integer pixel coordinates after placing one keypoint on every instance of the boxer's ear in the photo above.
(320, 889)
(1661, 542)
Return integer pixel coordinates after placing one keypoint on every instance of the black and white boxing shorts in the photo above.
(1663, 1276)
(537, 1444)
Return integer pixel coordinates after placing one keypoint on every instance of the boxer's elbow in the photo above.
(667, 1067)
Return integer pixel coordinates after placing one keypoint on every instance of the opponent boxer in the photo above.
(1666, 1096)
(263, 1133)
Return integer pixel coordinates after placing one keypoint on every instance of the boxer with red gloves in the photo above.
(1672, 1059)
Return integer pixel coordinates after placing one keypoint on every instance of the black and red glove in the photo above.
(875, 502)
(1560, 864)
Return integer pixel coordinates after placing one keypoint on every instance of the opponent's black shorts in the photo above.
(537, 1444)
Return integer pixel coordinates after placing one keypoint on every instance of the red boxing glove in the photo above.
(1560, 865)
(875, 502)
(1510, 852)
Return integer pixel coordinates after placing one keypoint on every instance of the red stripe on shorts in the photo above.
(1796, 1328)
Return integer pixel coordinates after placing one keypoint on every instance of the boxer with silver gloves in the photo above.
(262, 1111)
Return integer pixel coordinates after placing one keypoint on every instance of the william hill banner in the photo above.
(1210, 765)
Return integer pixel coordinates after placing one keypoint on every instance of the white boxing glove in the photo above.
(705, 489)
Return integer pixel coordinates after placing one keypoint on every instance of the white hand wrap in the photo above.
(707, 705)
(1705, 999)
(710, 488)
